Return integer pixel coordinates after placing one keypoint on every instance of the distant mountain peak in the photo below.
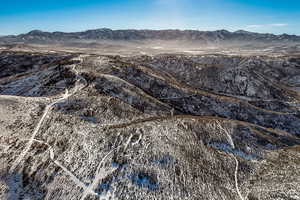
(243, 32)
(223, 31)
(33, 32)
(39, 36)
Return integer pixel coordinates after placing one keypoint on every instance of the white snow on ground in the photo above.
(230, 140)
(46, 112)
(101, 172)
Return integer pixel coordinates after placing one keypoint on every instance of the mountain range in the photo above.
(219, 36)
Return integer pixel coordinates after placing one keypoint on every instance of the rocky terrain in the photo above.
(80, 125)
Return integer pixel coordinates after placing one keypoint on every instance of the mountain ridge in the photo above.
(218, 36)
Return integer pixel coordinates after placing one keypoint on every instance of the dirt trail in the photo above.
(101, 171)
(204, 118)
(48, 108)
(230, 141)
(71, 175)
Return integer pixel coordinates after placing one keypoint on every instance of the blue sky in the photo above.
(274, 16)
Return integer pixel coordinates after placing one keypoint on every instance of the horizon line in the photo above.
(147, 29)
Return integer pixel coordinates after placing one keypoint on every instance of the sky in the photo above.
(272, 16)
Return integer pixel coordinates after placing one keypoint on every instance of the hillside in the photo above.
(168, 126)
